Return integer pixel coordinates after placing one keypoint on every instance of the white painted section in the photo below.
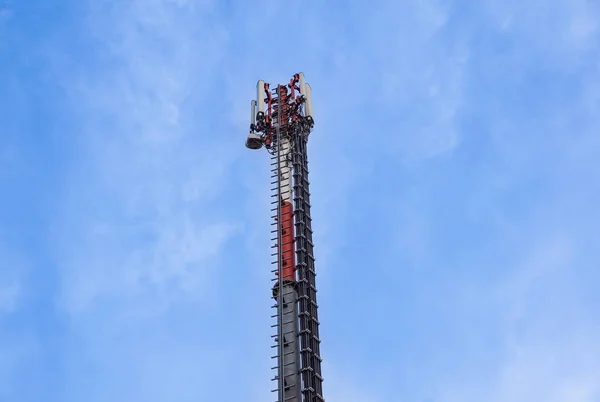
(286, 170)
(253, 112)
(260, 96)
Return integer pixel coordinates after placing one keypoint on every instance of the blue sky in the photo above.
(454, 183)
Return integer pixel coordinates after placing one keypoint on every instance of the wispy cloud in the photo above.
(5, 9)
(145, 169)
(9, 294)
(142, 228)
(10, 281)
(453, 170)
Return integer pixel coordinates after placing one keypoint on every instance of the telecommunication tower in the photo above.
(281, 121)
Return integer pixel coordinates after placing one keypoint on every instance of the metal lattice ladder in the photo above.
(285, 294)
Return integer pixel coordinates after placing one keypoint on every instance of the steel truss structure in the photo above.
(281, 121)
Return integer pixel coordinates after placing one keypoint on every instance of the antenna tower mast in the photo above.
(281, 121)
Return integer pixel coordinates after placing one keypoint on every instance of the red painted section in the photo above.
(287, 241)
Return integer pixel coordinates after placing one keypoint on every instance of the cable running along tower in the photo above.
(281, 121)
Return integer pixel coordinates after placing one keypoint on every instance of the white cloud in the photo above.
(9, 295)
(556, 31)
(176, 262)
(548, 347)
(5, 10)
(143, 224)
(11, 274)
(135, 219)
